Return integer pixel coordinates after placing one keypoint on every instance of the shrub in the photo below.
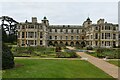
(99, 50)
(7, 58)
(89, 48)
(73, 55)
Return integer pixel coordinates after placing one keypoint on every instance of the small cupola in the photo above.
(45, 18)
(88, 19)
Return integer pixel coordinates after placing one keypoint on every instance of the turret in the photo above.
(87, 23)
(45, 22)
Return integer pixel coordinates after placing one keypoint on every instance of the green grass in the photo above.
(35, 51)
(111, 53)
(92, 54)
(39, 68)
(117, 63)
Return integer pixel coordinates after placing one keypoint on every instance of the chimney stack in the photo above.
(34, 20)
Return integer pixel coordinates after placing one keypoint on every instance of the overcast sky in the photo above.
(61, 12)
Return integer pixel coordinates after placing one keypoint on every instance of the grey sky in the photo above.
(62, 12)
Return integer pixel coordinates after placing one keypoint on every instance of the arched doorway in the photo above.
(61, 43)
(50, 43)
(66, 43)
(77, 44)
(72, 44)
(56, 43)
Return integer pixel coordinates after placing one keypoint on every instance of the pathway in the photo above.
(100, 63)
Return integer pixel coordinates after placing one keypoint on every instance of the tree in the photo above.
(83, 44)
(7, 57)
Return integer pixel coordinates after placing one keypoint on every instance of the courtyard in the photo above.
(42, 62)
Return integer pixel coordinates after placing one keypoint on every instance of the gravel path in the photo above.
(100, 63)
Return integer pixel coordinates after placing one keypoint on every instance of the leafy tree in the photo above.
(4, 36)
(83, 44)
(7, 58)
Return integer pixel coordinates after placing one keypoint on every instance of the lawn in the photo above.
(41, 68)
(109, 52)
(117, 63)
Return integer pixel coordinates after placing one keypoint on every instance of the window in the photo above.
(31, 27)
(91, 36)
(30, 42)
(23, 35)
(102, 42)
(23, 27)
(96, 28)
(55, 30)
(50, 37)
(114, 43)
(41, 35)
(35, 42)
(107, 27)
(71, 30)
(71, 37)
(114, 28)
(107, 43)
(41, 43)
(26, 35)
(96, 42)
(66, 37)
(77, 37)
(77, 30)
(96, 36)
(30, 34)
(107, 35)
(114, 36)
(102, 35)
(55, 37)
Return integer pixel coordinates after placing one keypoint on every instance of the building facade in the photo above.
(102, 34)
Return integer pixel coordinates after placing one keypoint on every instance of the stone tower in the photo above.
(87, 23)
(45, 24)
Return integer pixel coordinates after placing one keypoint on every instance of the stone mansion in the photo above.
(101, 34)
